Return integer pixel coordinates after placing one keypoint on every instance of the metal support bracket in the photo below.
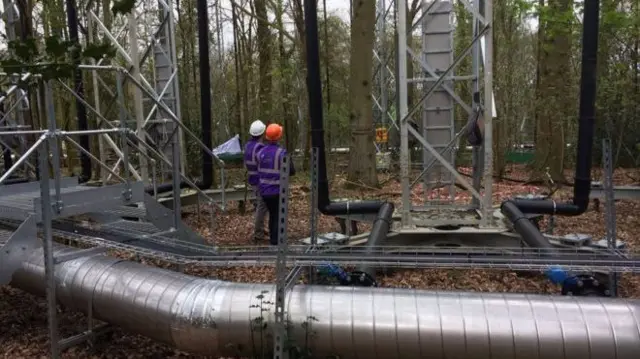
(610, 208)
(161, 217)
(280, 327)
(20, 245)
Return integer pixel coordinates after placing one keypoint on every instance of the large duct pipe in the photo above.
(215, 318)
(314, 88)
(515, 208)
(81, 111)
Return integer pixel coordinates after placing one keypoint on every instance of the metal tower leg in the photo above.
(489, 113)
(403, 110)
(166, 84)
(437, 101)
(45, 195)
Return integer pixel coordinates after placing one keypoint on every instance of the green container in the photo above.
(231, 158)
(521, 157)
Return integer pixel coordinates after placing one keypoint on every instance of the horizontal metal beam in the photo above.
(216, 195)
(619, 192)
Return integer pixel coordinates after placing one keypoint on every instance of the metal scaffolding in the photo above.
(430, 123)
(384, 77)
(56, 201)
(151, 61)
(154, 133)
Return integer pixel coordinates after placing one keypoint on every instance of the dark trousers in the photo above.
(273, 205)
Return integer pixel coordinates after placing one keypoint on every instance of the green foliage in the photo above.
(51, 61)
(123, 7)
(99, 51)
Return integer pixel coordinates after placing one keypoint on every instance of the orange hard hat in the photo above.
(273, 132)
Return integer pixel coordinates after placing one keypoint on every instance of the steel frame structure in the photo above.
(434, 79)
(61, 197)
(52, 206)
(153, 123)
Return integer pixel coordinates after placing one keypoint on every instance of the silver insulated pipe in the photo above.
(212, 317)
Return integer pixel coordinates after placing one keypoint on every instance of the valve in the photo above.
(355, 278)
(583, 284)
(586, 285)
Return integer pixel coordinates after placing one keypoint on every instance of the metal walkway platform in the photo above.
(117, 214)
(18, 202)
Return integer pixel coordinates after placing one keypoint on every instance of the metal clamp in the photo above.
(126, 194)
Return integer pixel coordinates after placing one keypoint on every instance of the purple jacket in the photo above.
(251, 150)
(269, 160)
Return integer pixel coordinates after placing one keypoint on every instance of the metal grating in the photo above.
(4, 236)
(20, 206)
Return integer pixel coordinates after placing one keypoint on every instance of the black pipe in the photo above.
(81, 111)
(205, 93)
(588, 88)
(515, 208)
(6, 155)
(522, 225)
(314, 88)
(15, 180)
(378, 233)
(6, 152)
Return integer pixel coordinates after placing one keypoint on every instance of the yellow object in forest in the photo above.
(382, 135)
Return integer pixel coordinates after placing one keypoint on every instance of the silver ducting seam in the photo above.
(212, 317)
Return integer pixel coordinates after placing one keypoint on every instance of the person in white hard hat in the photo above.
(251, 150)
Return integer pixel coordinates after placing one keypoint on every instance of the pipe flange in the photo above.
(362, 279)
(586, 285)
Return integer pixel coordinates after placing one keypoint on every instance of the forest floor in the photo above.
(23, 333)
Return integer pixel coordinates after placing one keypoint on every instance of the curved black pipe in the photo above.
(514, 208)
(378, 233)
(81, 111)
(522, 225)
(314, 88)
(205, 93)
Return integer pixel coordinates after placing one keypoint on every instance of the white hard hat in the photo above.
(257, 128)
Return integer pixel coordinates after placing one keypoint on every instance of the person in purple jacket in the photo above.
(251, 150)
(269, 161)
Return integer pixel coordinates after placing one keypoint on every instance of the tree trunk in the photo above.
(298, 19)
(554, 107)
(240, 114)
(362, 161)
(264, 54)
(284, 96)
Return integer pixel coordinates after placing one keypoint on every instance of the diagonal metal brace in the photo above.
(444, 162)
(445, 74)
